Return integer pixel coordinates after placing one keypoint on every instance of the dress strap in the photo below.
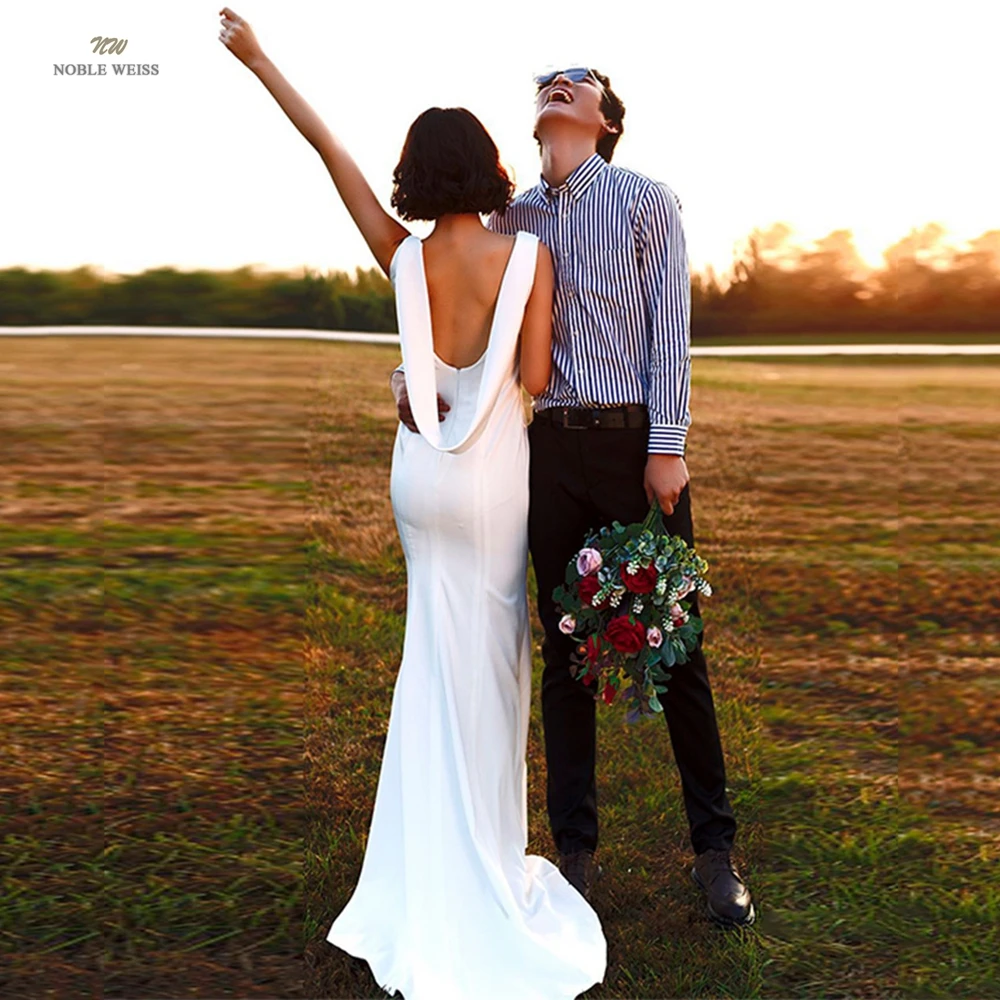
(415, 337)
(417, 341)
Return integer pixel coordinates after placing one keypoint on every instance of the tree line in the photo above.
(925, 284)
(774, 285)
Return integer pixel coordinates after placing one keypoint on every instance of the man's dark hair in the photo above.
(612, 109)
(449, 164)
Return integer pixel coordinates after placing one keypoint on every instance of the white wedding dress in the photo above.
(448, 906)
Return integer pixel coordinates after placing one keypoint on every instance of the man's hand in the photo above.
(398, 383)
(666, 476)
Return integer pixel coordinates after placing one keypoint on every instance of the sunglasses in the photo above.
(577, 74)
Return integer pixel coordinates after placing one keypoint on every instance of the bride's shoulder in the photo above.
(532, 242)
(397, 253)
(501, 244)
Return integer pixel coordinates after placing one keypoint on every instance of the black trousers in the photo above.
(580, 481)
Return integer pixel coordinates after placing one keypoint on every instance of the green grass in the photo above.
(202, 616)
(865, 887)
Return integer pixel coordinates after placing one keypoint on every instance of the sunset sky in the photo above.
(875, 116)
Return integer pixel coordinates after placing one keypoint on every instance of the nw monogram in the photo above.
(104, 46)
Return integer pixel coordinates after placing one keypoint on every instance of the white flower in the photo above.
(567, 624)
(654, 637)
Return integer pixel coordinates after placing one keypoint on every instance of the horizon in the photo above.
(787, 243)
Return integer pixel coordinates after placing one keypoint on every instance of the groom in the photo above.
(608, 435)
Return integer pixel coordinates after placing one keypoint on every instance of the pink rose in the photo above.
(654, 637)
(567, 624)
(588, 561)
(687, 585)
(677, 615)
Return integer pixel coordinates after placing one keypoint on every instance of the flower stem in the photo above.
(653, 516)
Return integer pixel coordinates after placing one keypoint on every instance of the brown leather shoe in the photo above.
(729, 902)
(580, 870)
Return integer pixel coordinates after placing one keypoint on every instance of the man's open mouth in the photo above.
(561, 95)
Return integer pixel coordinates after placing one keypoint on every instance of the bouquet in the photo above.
(623, 601)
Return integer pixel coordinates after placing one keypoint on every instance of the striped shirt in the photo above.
(621, 319)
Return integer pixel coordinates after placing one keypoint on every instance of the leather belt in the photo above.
(578, 418)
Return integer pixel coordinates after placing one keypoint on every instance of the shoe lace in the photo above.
(719, 863)
(576, 864)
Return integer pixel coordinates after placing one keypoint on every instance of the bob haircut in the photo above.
(449, 164)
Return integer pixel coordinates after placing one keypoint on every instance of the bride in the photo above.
(448, 905)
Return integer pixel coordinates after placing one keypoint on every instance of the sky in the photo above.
(874, 116)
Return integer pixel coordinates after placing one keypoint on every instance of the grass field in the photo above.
(202, 604)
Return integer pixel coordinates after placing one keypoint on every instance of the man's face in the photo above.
(564, 101)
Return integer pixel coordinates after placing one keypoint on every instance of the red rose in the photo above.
(643, 581)
(589, 586)
(593, 648)
(609, 694)
(626, 636)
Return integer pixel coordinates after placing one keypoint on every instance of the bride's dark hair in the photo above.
(449, 164)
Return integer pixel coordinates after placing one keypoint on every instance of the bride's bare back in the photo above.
(464, 271)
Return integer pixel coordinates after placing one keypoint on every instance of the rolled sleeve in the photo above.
(666, 286)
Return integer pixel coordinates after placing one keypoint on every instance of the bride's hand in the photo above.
(238, 37)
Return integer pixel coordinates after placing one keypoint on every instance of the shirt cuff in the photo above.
(667, 439)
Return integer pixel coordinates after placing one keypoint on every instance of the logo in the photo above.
(106, 46)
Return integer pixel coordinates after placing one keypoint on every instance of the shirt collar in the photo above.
(580, 179)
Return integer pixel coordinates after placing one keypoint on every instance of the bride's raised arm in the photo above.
(381, 231)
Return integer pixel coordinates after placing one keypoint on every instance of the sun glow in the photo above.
(752, 113)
